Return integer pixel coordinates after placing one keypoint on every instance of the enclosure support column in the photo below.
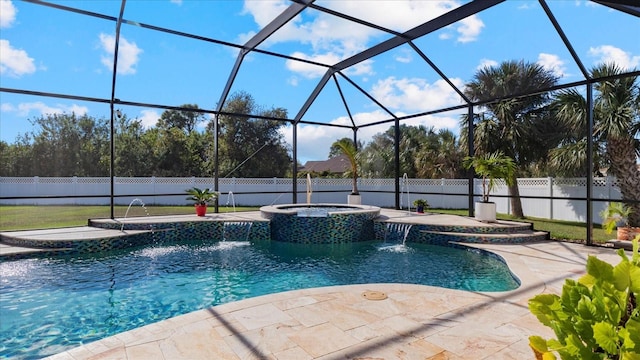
(112, 163)
(294, 184)
(216, 158)
(589, 163)
(470, 135)
(396, 155)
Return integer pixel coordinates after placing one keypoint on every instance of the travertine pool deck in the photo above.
(413, 322)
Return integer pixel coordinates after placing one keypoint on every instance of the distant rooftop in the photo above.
(337, 165)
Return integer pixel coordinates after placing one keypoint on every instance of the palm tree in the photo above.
(491, 167)
(439, 157)
(512, 126)
(348, 148)
(616, 126)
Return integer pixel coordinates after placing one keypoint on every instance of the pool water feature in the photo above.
(397, 232)
(236, 230)
(321, 223)
(50, 305)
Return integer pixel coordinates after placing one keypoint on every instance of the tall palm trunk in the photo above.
(516, 202)
(623, 166)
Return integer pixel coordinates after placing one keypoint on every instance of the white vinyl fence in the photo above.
(269, 191)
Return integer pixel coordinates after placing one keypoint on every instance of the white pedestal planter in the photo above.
(485, 212)
(354, 199)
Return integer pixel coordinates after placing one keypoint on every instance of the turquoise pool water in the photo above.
(51, 305)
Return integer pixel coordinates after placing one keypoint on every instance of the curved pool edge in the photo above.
(487, 252)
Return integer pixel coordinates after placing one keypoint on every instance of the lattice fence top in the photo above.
(601, 182)
(366, 182)
(426, 182)
(124, 180)
(377, 182)
(580, 182)
(180, 181)
(456, 182)
(534, 182)
(335, 181)
(55, 180)
(17, 180)
(94, 180)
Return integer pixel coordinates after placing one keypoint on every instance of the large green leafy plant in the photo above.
(597, 316)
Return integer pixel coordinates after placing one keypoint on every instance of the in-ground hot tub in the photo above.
(321, 223)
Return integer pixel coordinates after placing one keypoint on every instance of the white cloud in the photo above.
(293, 81)
(7, 107)
(314, 141)
(552, 63)
(264, 11)
(612, 54)
(436, 121)
(7, 13)
(484, 63)
(128, 52)
(402, 15)
(309, 70)
(469, 29)
(26, 109)
(14, 62)
(149, 118)
(527, 5)
(404, 56)
(361, 68)
(177, 2)
(334, 39)
(415, 94)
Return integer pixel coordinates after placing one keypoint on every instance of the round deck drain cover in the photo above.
(374, 295)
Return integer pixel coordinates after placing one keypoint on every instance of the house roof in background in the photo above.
(337, 164)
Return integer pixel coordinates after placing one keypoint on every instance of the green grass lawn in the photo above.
(45, 217)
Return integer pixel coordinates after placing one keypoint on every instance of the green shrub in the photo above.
(597, 317)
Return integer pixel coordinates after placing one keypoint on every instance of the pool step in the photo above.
(465, 230)
(83, 239)
(499, 227)
(525, 236)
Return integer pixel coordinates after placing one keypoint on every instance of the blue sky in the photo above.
(45, 49)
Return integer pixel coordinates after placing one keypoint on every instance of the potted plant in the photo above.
(490, 167)
(348, 148)
(420, 205)
(201, 197)
(616, 215)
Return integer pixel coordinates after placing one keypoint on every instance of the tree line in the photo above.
(78, 145)
(546, 134)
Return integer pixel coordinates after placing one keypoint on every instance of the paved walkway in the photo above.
(413, 322)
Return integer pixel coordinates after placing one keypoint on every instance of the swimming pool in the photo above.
(50, 305)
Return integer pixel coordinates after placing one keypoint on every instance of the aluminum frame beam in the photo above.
(630, 7)
(441, 21)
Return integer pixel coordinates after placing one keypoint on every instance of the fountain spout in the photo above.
(136, 200)
(405, 185)
(309, 189)
(231, 199)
